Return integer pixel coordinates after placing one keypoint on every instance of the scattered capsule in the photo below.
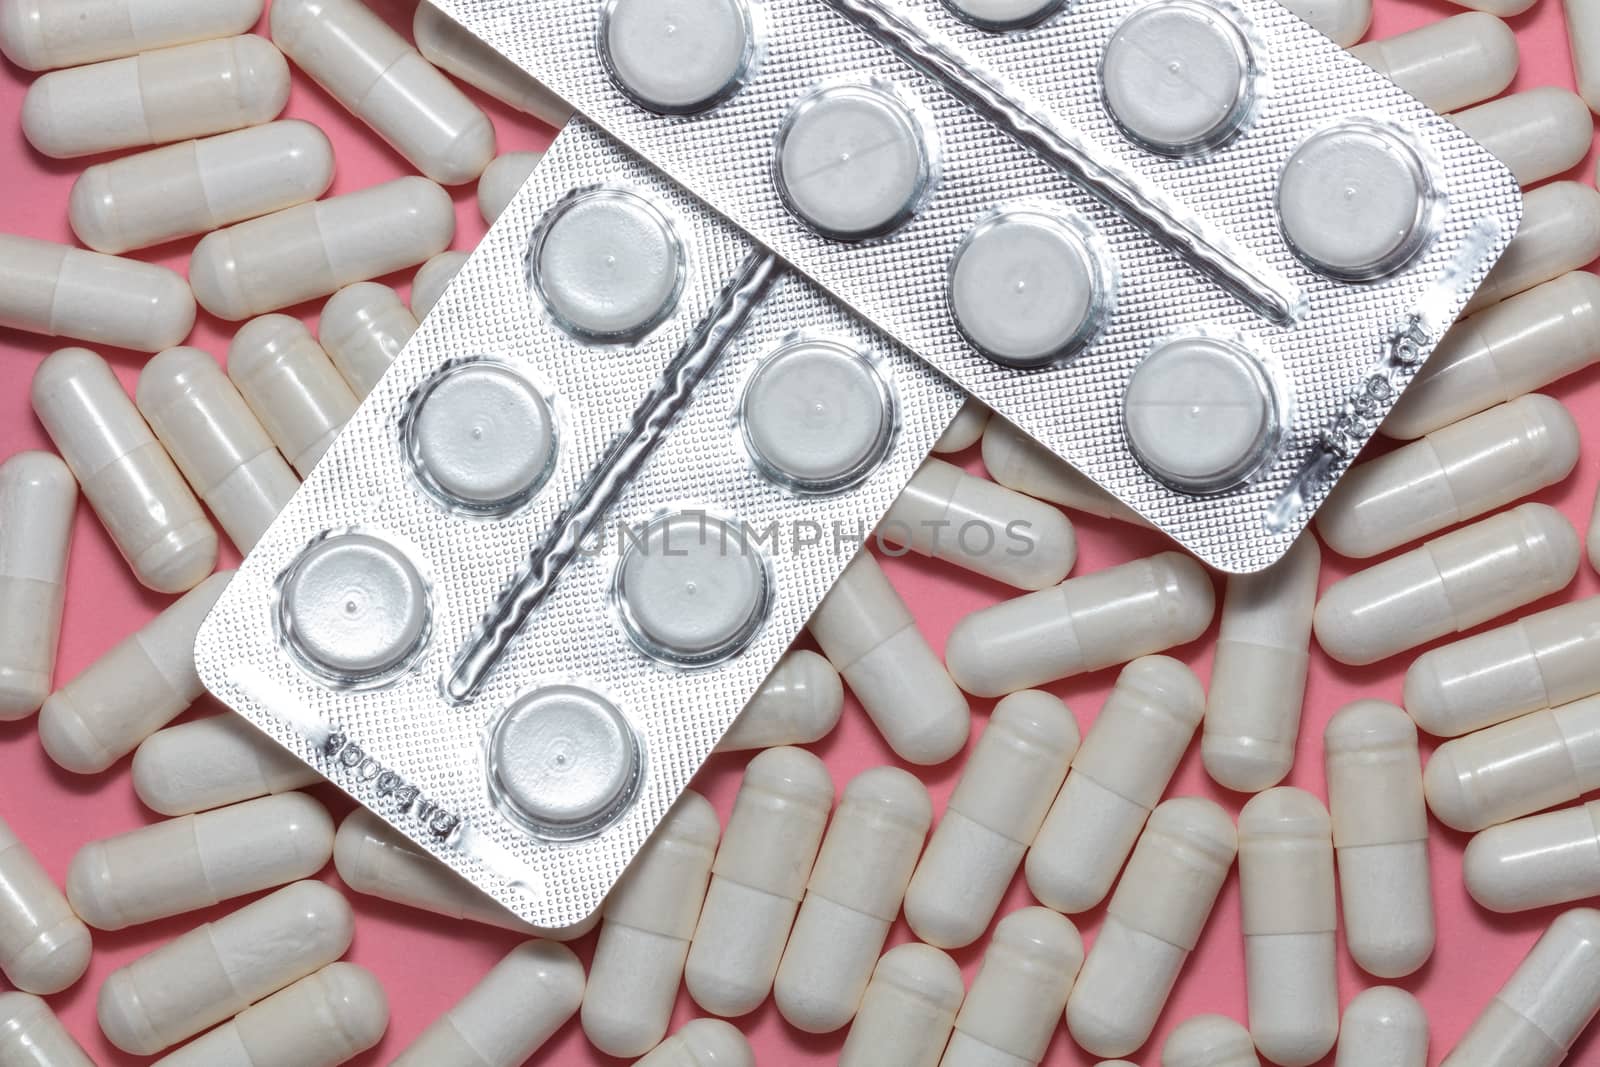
(1011, 1012)
(852, 899)
(30, 1033)
(59, 291)
(702, 1043)
(1289, 923)
(1209, 1041)
(1537, 134)
(907, 1012)
(998, 805)
(221, 968)
(1380, 837)
(1449, 584)
(195, 861)
(1546, 1003)
(457, 52)
(313, 250)
(869, 636)
(45, 34)
(1018, 462)
(129, 693)
(1583, 33)
(44, 947)
(757, 880)
(1448, 64)
(1553, 858)
(292, 386)
(38, 499)
(964, 430)
(211, 763)
(1084, 624)
(433, 279)
(649, 920)
(383, 81)
(1383, 1027)
(504, 178)
(175, 94)
(1345, 21)
(1117, 777)
(1258, 675)
(508, 1016)
(1560, 232)
(947, 514)
(1503, 8)
(1593, 541)
(362, 329)
(799, 703)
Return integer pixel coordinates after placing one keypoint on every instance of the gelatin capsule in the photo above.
(59, 291)
(1345, 21)
(907, 1012)
(1583, 33)
(1537, 134)
(1383, 1027)
(38, 499)
(362, 329)
(293, 388)
(799, 703)
(1209, 1041)
(1016, 1000)
(32, 1036)
(433, 279)
(702, 1043)
(965, 430)
(211, 763)
(45, 34)
(1552, 858)
(44, 947)
(458, 53)
(1503, 8)
(1448, 64)
(1018, 462)
(1560, 232)
(503, 179)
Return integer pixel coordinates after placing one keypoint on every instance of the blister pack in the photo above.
(571, 531)
(1191, 246)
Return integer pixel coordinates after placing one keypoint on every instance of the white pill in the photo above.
(702, 1043)
(1537, 134)
(503, 179)
(649, 919)
(176, 94)
(1503, 8)
(362, 329)
(1018, 462)
(964, 430)
(1084, 624)
(1209, 1041)
(1012, 1010)
(680, 59)
(144, 682)
(456, 51)
(1583, 33)
(951, 515)
(506, 1017)
(433, 278)
(1005, 14)
(1289, 922)
(481, 437)
(219, 969)
(293, 388)
(1455, 473)
(195, 861)
(757, 880)
(1548, 1001)
(1383, 1027)
(1380, 837)
(1345, 21)
(691, 590)
(1450, 63)
(200, 186)
(44, 947)
(320, 1021)
(869, 636)
(353, 608)
(211, 763)
(43, 34)
(1537, 861)
(313, 250)
(38, 499)
(1560, 232)
(59, 291)
(907, 1012)
(32, 1036)
(1127, 759)
(799, 703)
(852, 899)
(998, 805)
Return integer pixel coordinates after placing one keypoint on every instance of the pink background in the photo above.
(427, 963)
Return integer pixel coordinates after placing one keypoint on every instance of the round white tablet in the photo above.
(1024, 288)
(851, 162)
(353, 607)
(1355, 202)
(1200, 414)
(692, 590)
(678, 56)
(481, 437)
(1004, 14)
(1176, 76)
(608, 265)
(563, 762)
(817, 416)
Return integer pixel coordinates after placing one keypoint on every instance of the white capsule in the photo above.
(32, 1036)
(221, 968)
(38, 499)
(1258, 677)
(506, 1017)
(1593, 540)
(1560, 232)
(907, 1012)
(176, 94)
(292, 386)
(1018, 462)
(1553, 858)
(199, 186)
(211, 763)
(1583, 34)
(143, 683)
(433, 279)
(1380, 837)
(383, 81)
(1289, 922)
(504, 178)
(1084, 624)
(44, 947)
(964, 430)
(320, 1021)
(799, 703)
(1383, 1027)
(757, 880)
(1155, 919)
(1537, 134)
(649, 919)
(1117, 777)
(193, 862)
(998, 805)
(1011, 1012)
(1448, 64)
(702, 1043)
(852, 899)
(362, 329)
(445, 44)
(1548, 1001)
(59, 291)
(1449, 584)
(312, 250)
(1345, 21)
(869, 636)
(1209, 1041)
(1503, 8)
(44, 34)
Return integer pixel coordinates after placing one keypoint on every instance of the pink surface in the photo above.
(427, 963)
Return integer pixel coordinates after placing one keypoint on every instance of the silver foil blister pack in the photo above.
(567, 537)
(1191, 246)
